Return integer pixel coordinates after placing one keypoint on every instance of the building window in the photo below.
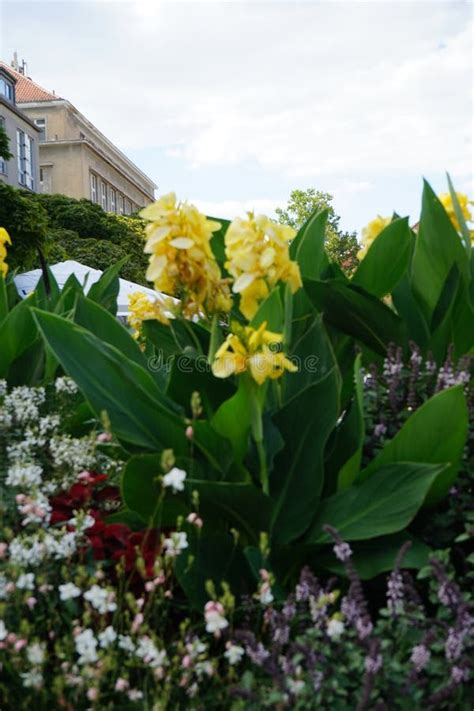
(3, 162)
(93, 187)
(121, 204)
(41, 123)
(128, 207)
(6, 89)
(113, 200)
(24, 147)
(103, 195)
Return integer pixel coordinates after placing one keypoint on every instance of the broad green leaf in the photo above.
(212, 555)
(297, 480)
(466, 235)
(96, 319)
(189, 374)
(436, 432)
(17, 333)
(438, 247)
(139, 413)
(313, 354)
(218, 241)
(411, 312)
(386, 260)
(356, 313)
(385, 503)
(233, 420)
(47, 290)
(238, 504)
(378, 555)
(271, 311)
(105, 291)
(143, 493)
(3, 299)
(308, 246)
(352, 433)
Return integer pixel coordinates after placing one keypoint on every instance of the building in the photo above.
(75, 158)
(22, 170)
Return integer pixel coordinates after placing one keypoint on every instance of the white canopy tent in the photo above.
(26, 282)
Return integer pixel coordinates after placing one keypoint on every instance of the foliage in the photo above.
(5, 152)
(341, 246)
(65, 228)
(26, 222)
(92, 614)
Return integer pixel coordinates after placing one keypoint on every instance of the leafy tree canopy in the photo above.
(341, 246)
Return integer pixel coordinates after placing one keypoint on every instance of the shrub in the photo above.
(26, 221)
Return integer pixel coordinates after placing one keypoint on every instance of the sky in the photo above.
(234, 104)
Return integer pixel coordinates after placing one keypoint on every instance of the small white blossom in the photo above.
(68, 591)
(82, 522)
(335, 628)
(214, 616)
(65, 385)
(233, 653)
(3, 631)
(102, 600)
(25, 475)
(35, 654)
(32, 679)
(265, 594)
(26, 581)
(86, 647)
(107, 637)
(126, 643)
(177, 542)
(147, 651)
(174, 479)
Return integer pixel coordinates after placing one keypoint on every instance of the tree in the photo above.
(341, 246)
(4, 145)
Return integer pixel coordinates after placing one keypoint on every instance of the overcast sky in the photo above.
(234, 104)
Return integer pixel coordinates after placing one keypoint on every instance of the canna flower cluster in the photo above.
(371, 232)
(141, 308)
(257, 252)
(464, 202)
(252, 350)
(182, 263)
(4, 239)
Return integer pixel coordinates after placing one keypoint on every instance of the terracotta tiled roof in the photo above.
(27, 90)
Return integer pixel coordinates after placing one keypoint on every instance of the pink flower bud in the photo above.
(149, 586)
(189, 432)
(264, 574)
(194, 519)
(3, 549)
(20, 498)
(121, 684)
(138, 620)
(104, 437)
(20, 644)
(93, 694)
(186, 663)
(31, 602)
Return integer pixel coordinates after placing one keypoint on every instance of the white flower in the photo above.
(135, 695)
(65, 385)
(26, 475)
(68, 591)
(74, 454)
(335, 628)
(107, 637)
(35, 654)
(3, 631)
(175, 479)
(147, 651)
(24, 403)
(265, 594)
(295, 686)
(3, 387)
(101, 599)
(26, 581)
(214, 616)
(81, 522)
(233, 653)
(32, 679)
(177, 542)
(125, 642)
(86, 647)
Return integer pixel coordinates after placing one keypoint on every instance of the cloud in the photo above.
(237, 208)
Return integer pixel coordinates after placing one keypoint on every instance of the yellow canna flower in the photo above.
(447, 202)
(252, 350)
(371, 232)
(257, 252)
(4, 239)
(181, 262)
(141, 308)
